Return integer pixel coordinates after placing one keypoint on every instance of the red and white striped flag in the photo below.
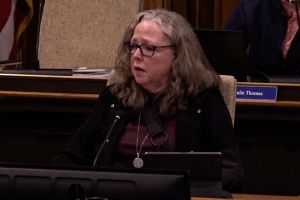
(15, 16)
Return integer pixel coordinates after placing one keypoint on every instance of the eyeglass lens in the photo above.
(146, 50)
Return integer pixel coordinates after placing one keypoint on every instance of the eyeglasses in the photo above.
(146, 49)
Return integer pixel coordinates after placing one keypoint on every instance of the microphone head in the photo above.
(124, 112)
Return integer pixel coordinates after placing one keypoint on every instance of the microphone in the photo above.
(107, 138)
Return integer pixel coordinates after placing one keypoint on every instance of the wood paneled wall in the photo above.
(211, 14)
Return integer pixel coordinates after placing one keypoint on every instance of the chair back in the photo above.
(83, 33)
(228, 90)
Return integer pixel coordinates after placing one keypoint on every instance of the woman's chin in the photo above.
(141, 80)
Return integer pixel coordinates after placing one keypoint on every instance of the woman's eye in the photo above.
(148, 48)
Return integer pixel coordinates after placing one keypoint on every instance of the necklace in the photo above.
(137, 161)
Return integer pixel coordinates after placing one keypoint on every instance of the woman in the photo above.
(163, 97)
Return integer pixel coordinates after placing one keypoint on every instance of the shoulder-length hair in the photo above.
(191, 71)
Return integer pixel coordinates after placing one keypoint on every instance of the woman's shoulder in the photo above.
(106, 93)
(258, 2)
(245, 2)
(105, 97)
(207, 95)
(208, 91)
(110, 100)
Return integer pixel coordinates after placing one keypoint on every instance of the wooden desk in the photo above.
(69, 87)
(43, 86)
(51, 84)
(253, 197)
(39, 113)
(269, 138)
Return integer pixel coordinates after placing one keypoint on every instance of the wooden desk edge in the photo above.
(49, 95)
(252, 197)
(54, 77)
(291, 104)
(269, 84)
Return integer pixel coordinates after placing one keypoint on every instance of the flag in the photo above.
(15, 16)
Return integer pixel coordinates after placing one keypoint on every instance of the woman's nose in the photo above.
(138, 52)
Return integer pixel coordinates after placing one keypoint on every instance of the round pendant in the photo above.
(138, 162)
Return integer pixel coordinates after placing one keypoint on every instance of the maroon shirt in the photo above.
(127, 143)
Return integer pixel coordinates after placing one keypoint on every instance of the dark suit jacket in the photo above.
(265, 27)
(205, 126)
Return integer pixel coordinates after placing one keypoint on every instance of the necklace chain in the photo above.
(138, 150)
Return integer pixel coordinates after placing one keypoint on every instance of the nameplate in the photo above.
(256, 93)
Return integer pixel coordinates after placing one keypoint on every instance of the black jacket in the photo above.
(205, 126)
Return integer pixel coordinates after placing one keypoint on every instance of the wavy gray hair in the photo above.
(191, 71)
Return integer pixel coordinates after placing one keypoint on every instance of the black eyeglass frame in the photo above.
(128, 48)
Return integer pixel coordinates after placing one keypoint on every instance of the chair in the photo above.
(83, 33)
(228, 90)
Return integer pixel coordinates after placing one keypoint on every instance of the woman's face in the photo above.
(152, 73)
